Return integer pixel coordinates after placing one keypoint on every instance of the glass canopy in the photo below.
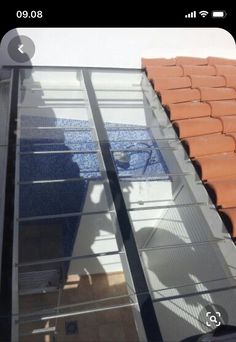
(112, 227)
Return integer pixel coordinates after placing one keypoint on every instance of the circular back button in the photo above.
(21, 49)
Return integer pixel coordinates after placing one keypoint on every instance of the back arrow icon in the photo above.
(20, 48)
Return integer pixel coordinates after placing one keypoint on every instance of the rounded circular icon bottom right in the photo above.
(212, 316)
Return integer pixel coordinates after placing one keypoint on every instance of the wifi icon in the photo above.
(203, 13)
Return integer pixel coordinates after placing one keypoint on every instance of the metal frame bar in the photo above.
(66, 67)
(69, 258)
(6, 299)
(81, 179)
(4, 84)
(147, 310)
(79, 213)
(82, 312)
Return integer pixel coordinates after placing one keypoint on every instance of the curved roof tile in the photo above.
(224, 199)
(225, 69)
(229, 218)
(191, 60)
(205, 70)
(179, 95)
(208, 144)
(212, 94)
(230, 80)
(197, 126)
(167, 83)
(229, 123)
(164, 71)
(221, 61)
(147, 62)
(187, 110)
(221, 108)
(216, 166)
(207, 81)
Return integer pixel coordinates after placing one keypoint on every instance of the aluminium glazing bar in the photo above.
(140, 149)
(82, 312)
(61, 152)
(68, 67)
(69, 258)
(79, 213)
(69, 128)
(7, 247)
(52, 310)
(80, 179)
(147, 310)
(168, 206)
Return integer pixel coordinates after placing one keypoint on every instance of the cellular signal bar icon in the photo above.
(191, 15)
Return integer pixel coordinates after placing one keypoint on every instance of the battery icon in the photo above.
(218, 14)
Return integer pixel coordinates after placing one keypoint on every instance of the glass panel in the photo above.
(139, 164)
(68, 286)
(179, 269)
(53, 117)
(39, 199)
(169, 227)
(159, 191)
(117, 80)
(36, 96)
(96, 326)
(58, 166)
(66, 237)
(50, 78)
(111, 96)
(56, 139)
(189, 315)
(132, 118)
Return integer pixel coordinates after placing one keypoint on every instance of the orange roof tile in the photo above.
(199, 95)
(230, 80)
(224, 199)
(208, 144)
(211, 94)
(205, 70)
(147, 62)
(207, 81)
(187, 110)
(225, 69)
(165, 83)
(164, 71)
(220, 61)
(191, 60)
(197, 126)
(220, 108)
(228, 123)
(179, 95)
(216, 166)
(229, 218)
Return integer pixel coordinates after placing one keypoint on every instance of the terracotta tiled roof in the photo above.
(199, 95)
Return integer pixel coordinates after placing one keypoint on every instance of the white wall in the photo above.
(119, 47)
